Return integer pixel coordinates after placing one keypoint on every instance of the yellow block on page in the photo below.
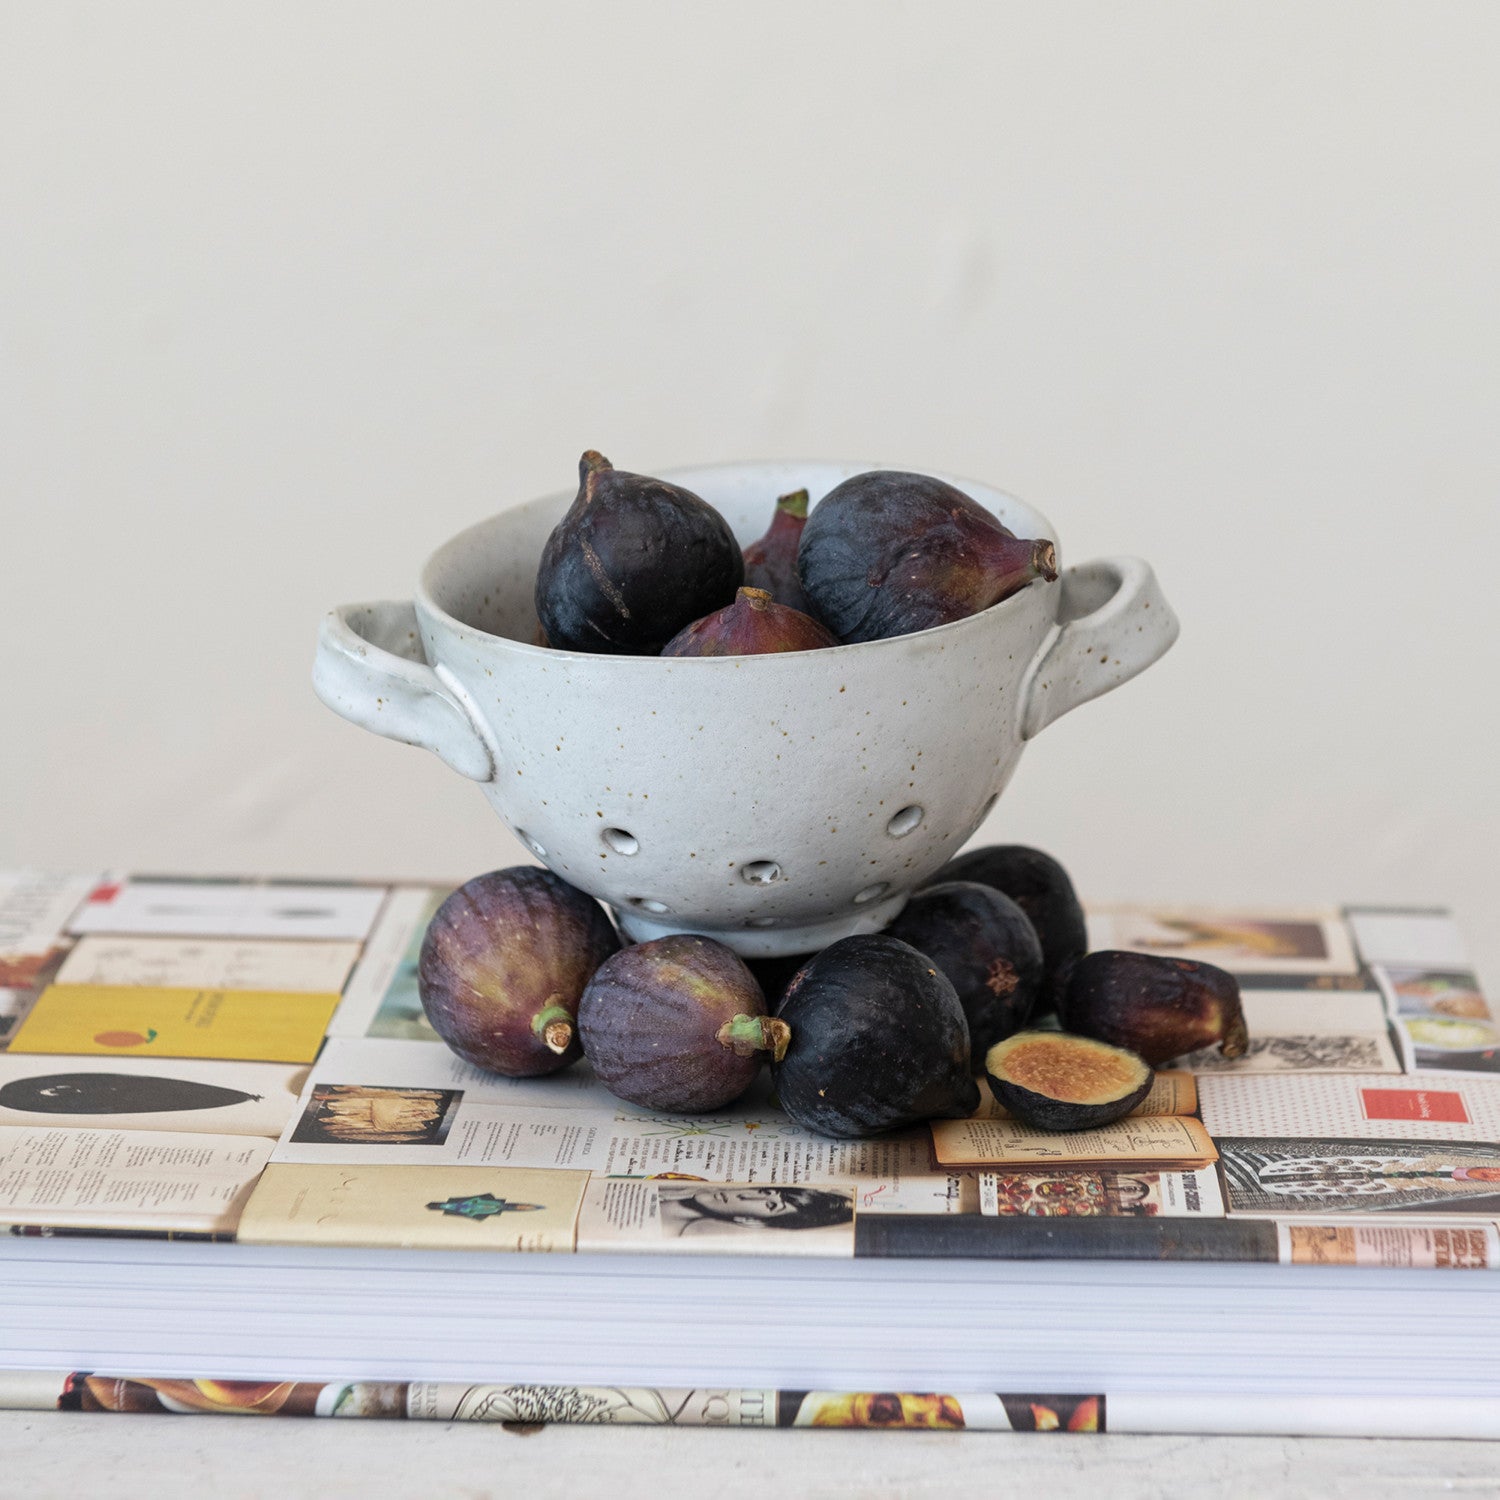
(129, 1021)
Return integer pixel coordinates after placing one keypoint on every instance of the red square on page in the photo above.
(1415, 1104)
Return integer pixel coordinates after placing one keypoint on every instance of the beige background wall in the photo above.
(289, 293)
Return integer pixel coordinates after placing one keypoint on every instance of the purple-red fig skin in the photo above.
(771, 562)
(501, 950)
(753, 625)
(888, 553)
(1158, 1007)
(650, 1020)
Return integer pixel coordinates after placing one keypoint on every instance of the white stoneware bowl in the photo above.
(777, 802)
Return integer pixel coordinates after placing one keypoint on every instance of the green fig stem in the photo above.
(554, 1024)
(747, 1034)
(794, 505)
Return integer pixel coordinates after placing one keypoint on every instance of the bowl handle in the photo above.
(370, 668)
(1112, 624)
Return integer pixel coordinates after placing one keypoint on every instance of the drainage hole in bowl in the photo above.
(872, 892)
(904, 821)
(621, 841)
(761, 872)
(762, 922)
(540, 850)
(647, 904)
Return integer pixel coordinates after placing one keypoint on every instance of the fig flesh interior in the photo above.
(1072, 1069)
(1052, 1080)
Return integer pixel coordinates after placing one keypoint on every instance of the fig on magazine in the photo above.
(634, 561)
(887, 553)
(988, 949)
(1051, 1080)
(114, 1094)
(677, 1024)
(1159, 1007)
(1040, 886)
(503, 964)
(878, 1040)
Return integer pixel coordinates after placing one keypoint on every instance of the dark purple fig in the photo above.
(1052, 1080)
(985, 945)
(878, 1041)
(1158, 1007)
(502, 967)
(1041, 888)
(771, 562)
(752, 626)
(887, 553)
(634, 560)
(677, 1024)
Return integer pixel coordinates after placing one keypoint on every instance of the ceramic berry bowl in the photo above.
(775, 802)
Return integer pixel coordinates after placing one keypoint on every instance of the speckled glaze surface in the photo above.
(775, 802)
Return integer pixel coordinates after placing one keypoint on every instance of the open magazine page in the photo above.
(126, 1179)
(307, 966)
(35, 909)
(104, 1020)
(34, 912)
(1160, 1140)
(1428, 1109)
(1303, 944)
(381, 998)
(1441, 1019)
(1469, 1247)
(410, 1103)
(1081, 1192)
(717, 1218)
(203, 907)
(128, 1093)
(415, 1207)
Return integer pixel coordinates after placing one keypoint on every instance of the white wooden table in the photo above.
(66, 1454)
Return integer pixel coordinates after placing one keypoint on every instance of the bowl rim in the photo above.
(427, 603)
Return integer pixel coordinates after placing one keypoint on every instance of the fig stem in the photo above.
(1236, 1038)
(794, 505)
(554, 1024)
(747, 1034)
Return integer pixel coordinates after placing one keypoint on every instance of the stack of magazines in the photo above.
(239, 1172)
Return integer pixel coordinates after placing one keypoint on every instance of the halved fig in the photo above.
(1052, 1080)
